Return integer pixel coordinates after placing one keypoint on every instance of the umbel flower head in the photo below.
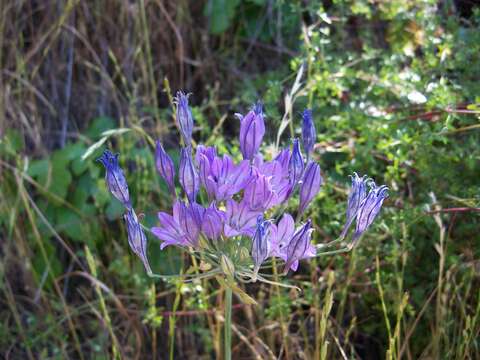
(242, 224)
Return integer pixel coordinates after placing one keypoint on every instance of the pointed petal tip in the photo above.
(258, 107)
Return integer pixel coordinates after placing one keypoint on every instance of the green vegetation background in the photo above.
(395, 91)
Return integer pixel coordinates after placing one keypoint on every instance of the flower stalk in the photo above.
(228, 324)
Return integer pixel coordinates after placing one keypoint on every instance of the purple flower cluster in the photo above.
(241, 195)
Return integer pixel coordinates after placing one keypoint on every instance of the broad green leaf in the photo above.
(40, 170)
(71, 224)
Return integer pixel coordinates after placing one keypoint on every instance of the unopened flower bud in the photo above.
(188, 175)
(136, 238)
(184, 117)
(312, 180)
(309, 133)
(260, 246)
(116, 182)
(165, 167)
(252, 130)
(296, 165)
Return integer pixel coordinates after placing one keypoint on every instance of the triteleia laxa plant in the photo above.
(231, 214)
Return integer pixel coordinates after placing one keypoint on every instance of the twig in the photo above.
(454, 210)
(68, 84)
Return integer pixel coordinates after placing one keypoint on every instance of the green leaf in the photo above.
(220, 14)
(99, 125)
(54, 175)
(71, 224)
(40, 170)
(114, 210)
(61, 179)
(80, 197)
(11, 143)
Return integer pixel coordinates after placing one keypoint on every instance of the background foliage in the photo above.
(395, 92)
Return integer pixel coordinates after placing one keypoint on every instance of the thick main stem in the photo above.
(228, 324)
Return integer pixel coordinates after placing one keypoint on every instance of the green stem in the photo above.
(339, 251)
(173, 319)
(228, 323)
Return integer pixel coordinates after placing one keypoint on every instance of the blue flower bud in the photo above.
(260, 245)
(296, 165)
(252, 130)
(184, 117)
(136, 238)
(309, 133)
(165, 167)
(114, 178)
(370, 208)
(298, 246)
(356, 196)
(188, 175)
(312, 180)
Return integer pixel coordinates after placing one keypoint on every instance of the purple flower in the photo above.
(369, 210)
(239, 219)
(204, 167)
(226, 178)
(252, 130)
(356, 196)
(170, 231)
(259, 194)
(309, 133)
(291, 245)
(184, 117)
(213, 221)
(299, 247)
(312, 180)
(136, 238)
(277, 175)
(188, 175)
(191, 219)
(221, 177)
(284, 158)
(114, 178)
(296, 164)
(260, 245)
(257, 160)
(282, 233)
(210, 152)
(181, 229)
(165, 166)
